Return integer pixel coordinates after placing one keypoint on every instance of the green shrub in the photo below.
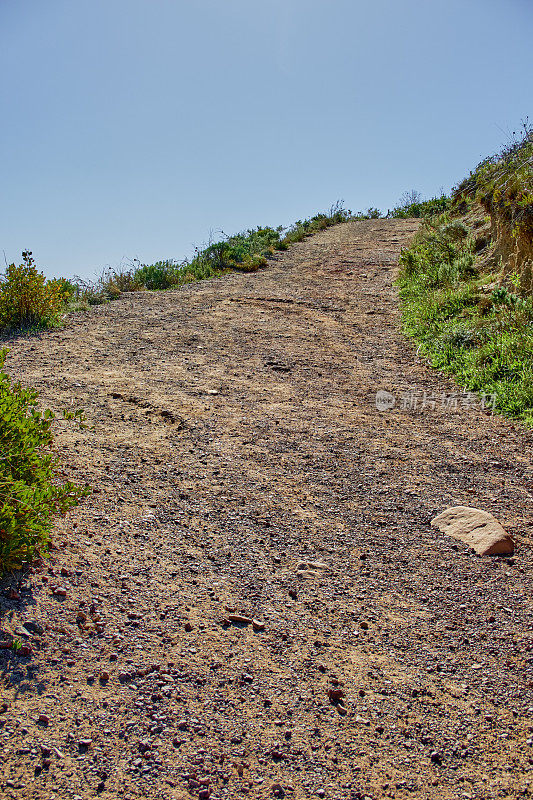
(161, 275)
(30, 494)
(441, 253)
(28, 299)
(411, 205)
(336, 214)
(455, 231)
(372, 213)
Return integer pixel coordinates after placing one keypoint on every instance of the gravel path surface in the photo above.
(242, 471)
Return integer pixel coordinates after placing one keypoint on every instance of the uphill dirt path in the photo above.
(241, 471)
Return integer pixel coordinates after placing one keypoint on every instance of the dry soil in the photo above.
(241, 470)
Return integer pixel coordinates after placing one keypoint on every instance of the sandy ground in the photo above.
(241, 469)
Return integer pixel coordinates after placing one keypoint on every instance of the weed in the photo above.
(90, 293)
(78, 415)
(109, 285)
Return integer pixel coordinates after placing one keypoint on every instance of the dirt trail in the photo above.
(236, 439)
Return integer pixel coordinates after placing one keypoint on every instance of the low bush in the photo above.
(30, 492)
(245, 251)
(28, 299)
(121, 279)
(336, 214)
(412, 205)
(161, 275)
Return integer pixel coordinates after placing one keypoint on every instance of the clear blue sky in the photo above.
(134, 128)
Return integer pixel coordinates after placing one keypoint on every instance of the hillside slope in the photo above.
(241, 467)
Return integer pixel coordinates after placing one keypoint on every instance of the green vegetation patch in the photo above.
(466, 322)
(412, 205)
(30, 492)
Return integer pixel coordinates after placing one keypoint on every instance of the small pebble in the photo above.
(239, 619)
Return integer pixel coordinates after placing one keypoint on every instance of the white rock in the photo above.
(476, 528)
